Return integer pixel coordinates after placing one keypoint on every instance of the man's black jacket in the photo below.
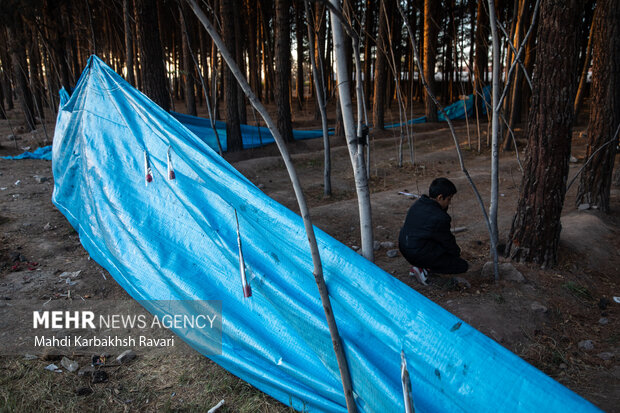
(426, 233)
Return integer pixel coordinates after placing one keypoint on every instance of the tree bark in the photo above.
(320, 99)
(448, 78)
(355, 147)
(319, 51)
(127, 13)
(34, 63)
(481, 59)
(188, 65)
(234, 141)
(584, 74)
(369, 28)
(5, 76)
(430, 54)
(299, 35)
(253, 60)
(595, 184)
(240, 42)
(268, 47)
(536, 226)
(494, 202)
(513, 100)
(16, 40)
(2, 109)
(378, 107)
(154, 82)
(283, 69)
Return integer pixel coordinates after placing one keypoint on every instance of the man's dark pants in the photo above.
(445, 264)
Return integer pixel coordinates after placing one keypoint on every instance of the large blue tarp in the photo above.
(176, 240)
(252, 136)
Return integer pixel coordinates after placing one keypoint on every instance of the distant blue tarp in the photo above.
(252, 136)
(176, 240)
(44, 152)
(456, 110)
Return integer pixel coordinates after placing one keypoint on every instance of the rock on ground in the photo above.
(126, 356)
(507, 271)
(586, 345)
(69, 364)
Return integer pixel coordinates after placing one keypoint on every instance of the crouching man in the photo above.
(425, 239)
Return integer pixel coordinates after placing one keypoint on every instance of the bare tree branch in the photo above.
(301, 200)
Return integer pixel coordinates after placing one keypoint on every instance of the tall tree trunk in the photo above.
(253, 49)
(369, 28)
(395, 30)
(595, 184)
(526, 91)
(378, 107)
(356, 151)
(52, 11)
(513, 100)
(234, 142)
(481, 60)
(299, 35)
(430, 54)
(188, 64)
(473, 29)
(320, 99)
(448, 77)
(535, 232)
(70, 39)
(319, 56)
(266, 14)
(216, 72)
(3, 65)
(16, 40)
(34, 63)
(413, 85)
(240, 42)
(283, 69)
(420, 46)
(2, 109)
(151, 57)
(584, 74)
(127, 13)
(5, 77)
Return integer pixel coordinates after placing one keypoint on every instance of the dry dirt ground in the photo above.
(541, 318)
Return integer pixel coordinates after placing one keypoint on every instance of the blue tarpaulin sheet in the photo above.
(459, 110)
(252, 136)
(44, 152)
(176, 240)
(256, 136)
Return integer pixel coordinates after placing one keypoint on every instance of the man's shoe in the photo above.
(420, 274)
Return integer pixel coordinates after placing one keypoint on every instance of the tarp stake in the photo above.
(247, 289)
(171, 175)
(147, 169)
(404, 377)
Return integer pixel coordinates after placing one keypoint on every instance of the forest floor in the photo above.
(541, 318)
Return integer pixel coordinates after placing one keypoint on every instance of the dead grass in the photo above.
(148, 384)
